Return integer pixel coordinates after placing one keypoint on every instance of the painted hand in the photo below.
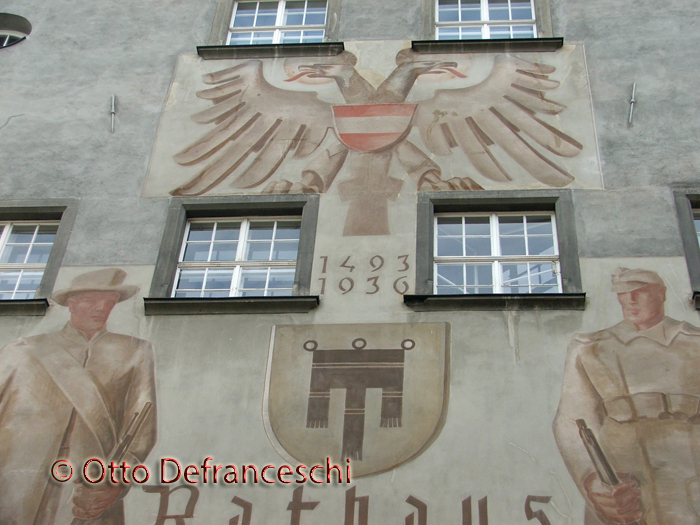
(91, 502)
(431, 181)
(618, 504)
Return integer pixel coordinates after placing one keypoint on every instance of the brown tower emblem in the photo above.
(355, 371)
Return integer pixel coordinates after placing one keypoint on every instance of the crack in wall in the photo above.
(10, 118)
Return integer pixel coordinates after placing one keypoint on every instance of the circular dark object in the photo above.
(408, 344)
(359, 343)
(310, 345)
(13, 29)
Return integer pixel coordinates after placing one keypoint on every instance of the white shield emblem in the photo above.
(375, 394)
(373, 127)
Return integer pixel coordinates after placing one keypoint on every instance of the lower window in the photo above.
(24, 252)
(496, 253)
(251, 257)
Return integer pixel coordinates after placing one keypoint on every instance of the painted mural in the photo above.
(71, 395)
(630, 405)
(366, 133)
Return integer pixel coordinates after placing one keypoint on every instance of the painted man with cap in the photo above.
(72, 392)
(637, 386)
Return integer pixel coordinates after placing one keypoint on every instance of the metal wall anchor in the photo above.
(114, 99)
(633, 100)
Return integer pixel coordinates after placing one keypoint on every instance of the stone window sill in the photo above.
(24, 306)
(506, 45)
(545, 301)
(320, 49)
(230, 305)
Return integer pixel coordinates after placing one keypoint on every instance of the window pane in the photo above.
(219, 279)
(291, 37)
(450, 275)
(287, 230)
(470, 33)
(224, 251)
(196, 251)
(513, 245)
(254, 278)
(240, 39)
(511, 225)
(477, 226)
(261, 230)
(47, 233)
(285, 251)
(279, 293)
(315, 12)
(281, 279)
(523, 31)
(539, 225)
(449, 226)
(191, 280)
(30, 281)
(252, 293)
(227, 231)
(450, 290)
(448, 11)
(542, 274)
(448, 33)
(14, 254)
(521, 10)
(22, 234)
(477, 246)
(449, 246)
(216, 293)
(540, 245)
(500, 32)
(262, 38)
(498, 10)
(267, 14)
(479, 275)
(245, 14)
(258, 251)
(309, 37)
(515, 278)
(200, 231)
(188, 294)
(471, 10)
(294, 13)
(8, 281)
(25, 295)
(39, 254)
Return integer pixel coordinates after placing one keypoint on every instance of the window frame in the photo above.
(687, 205)
(62, 211)
(239, 263)
(560, 202)
(496, 259)
(224, 16)
(543, 20)
(160, 300)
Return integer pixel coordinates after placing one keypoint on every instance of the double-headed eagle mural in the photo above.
(256, 127)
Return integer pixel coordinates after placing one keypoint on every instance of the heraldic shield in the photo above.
(372, 393)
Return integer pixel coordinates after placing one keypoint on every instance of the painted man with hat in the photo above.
(72, 393)
(637, 387)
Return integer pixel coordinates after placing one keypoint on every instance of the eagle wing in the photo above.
(257, 127)
(500, 111)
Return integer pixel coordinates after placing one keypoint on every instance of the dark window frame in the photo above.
(62, 211)
(686, 202)
(182, 209)
(558, 201)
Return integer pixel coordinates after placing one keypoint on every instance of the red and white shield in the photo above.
(372, 127)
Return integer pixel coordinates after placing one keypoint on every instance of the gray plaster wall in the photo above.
(56, 90)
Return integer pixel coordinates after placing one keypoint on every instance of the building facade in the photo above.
(463, 271)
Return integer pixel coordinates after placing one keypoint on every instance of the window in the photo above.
(496, 250)
(688, 212)
(496, 253)
(485, 19)
(24, 252)
(13, 29)
(283, 22)
(238, 258)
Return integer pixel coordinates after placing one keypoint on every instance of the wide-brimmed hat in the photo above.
(107, 280)
(629, 279)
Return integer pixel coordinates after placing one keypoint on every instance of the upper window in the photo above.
(283, 22)
(485, 19)
(496, 253)
(238, 258)
(24, 252)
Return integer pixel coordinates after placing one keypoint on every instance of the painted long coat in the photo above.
(639, 391)
(42, 379)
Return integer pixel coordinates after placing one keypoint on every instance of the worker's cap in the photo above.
(628, 279)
